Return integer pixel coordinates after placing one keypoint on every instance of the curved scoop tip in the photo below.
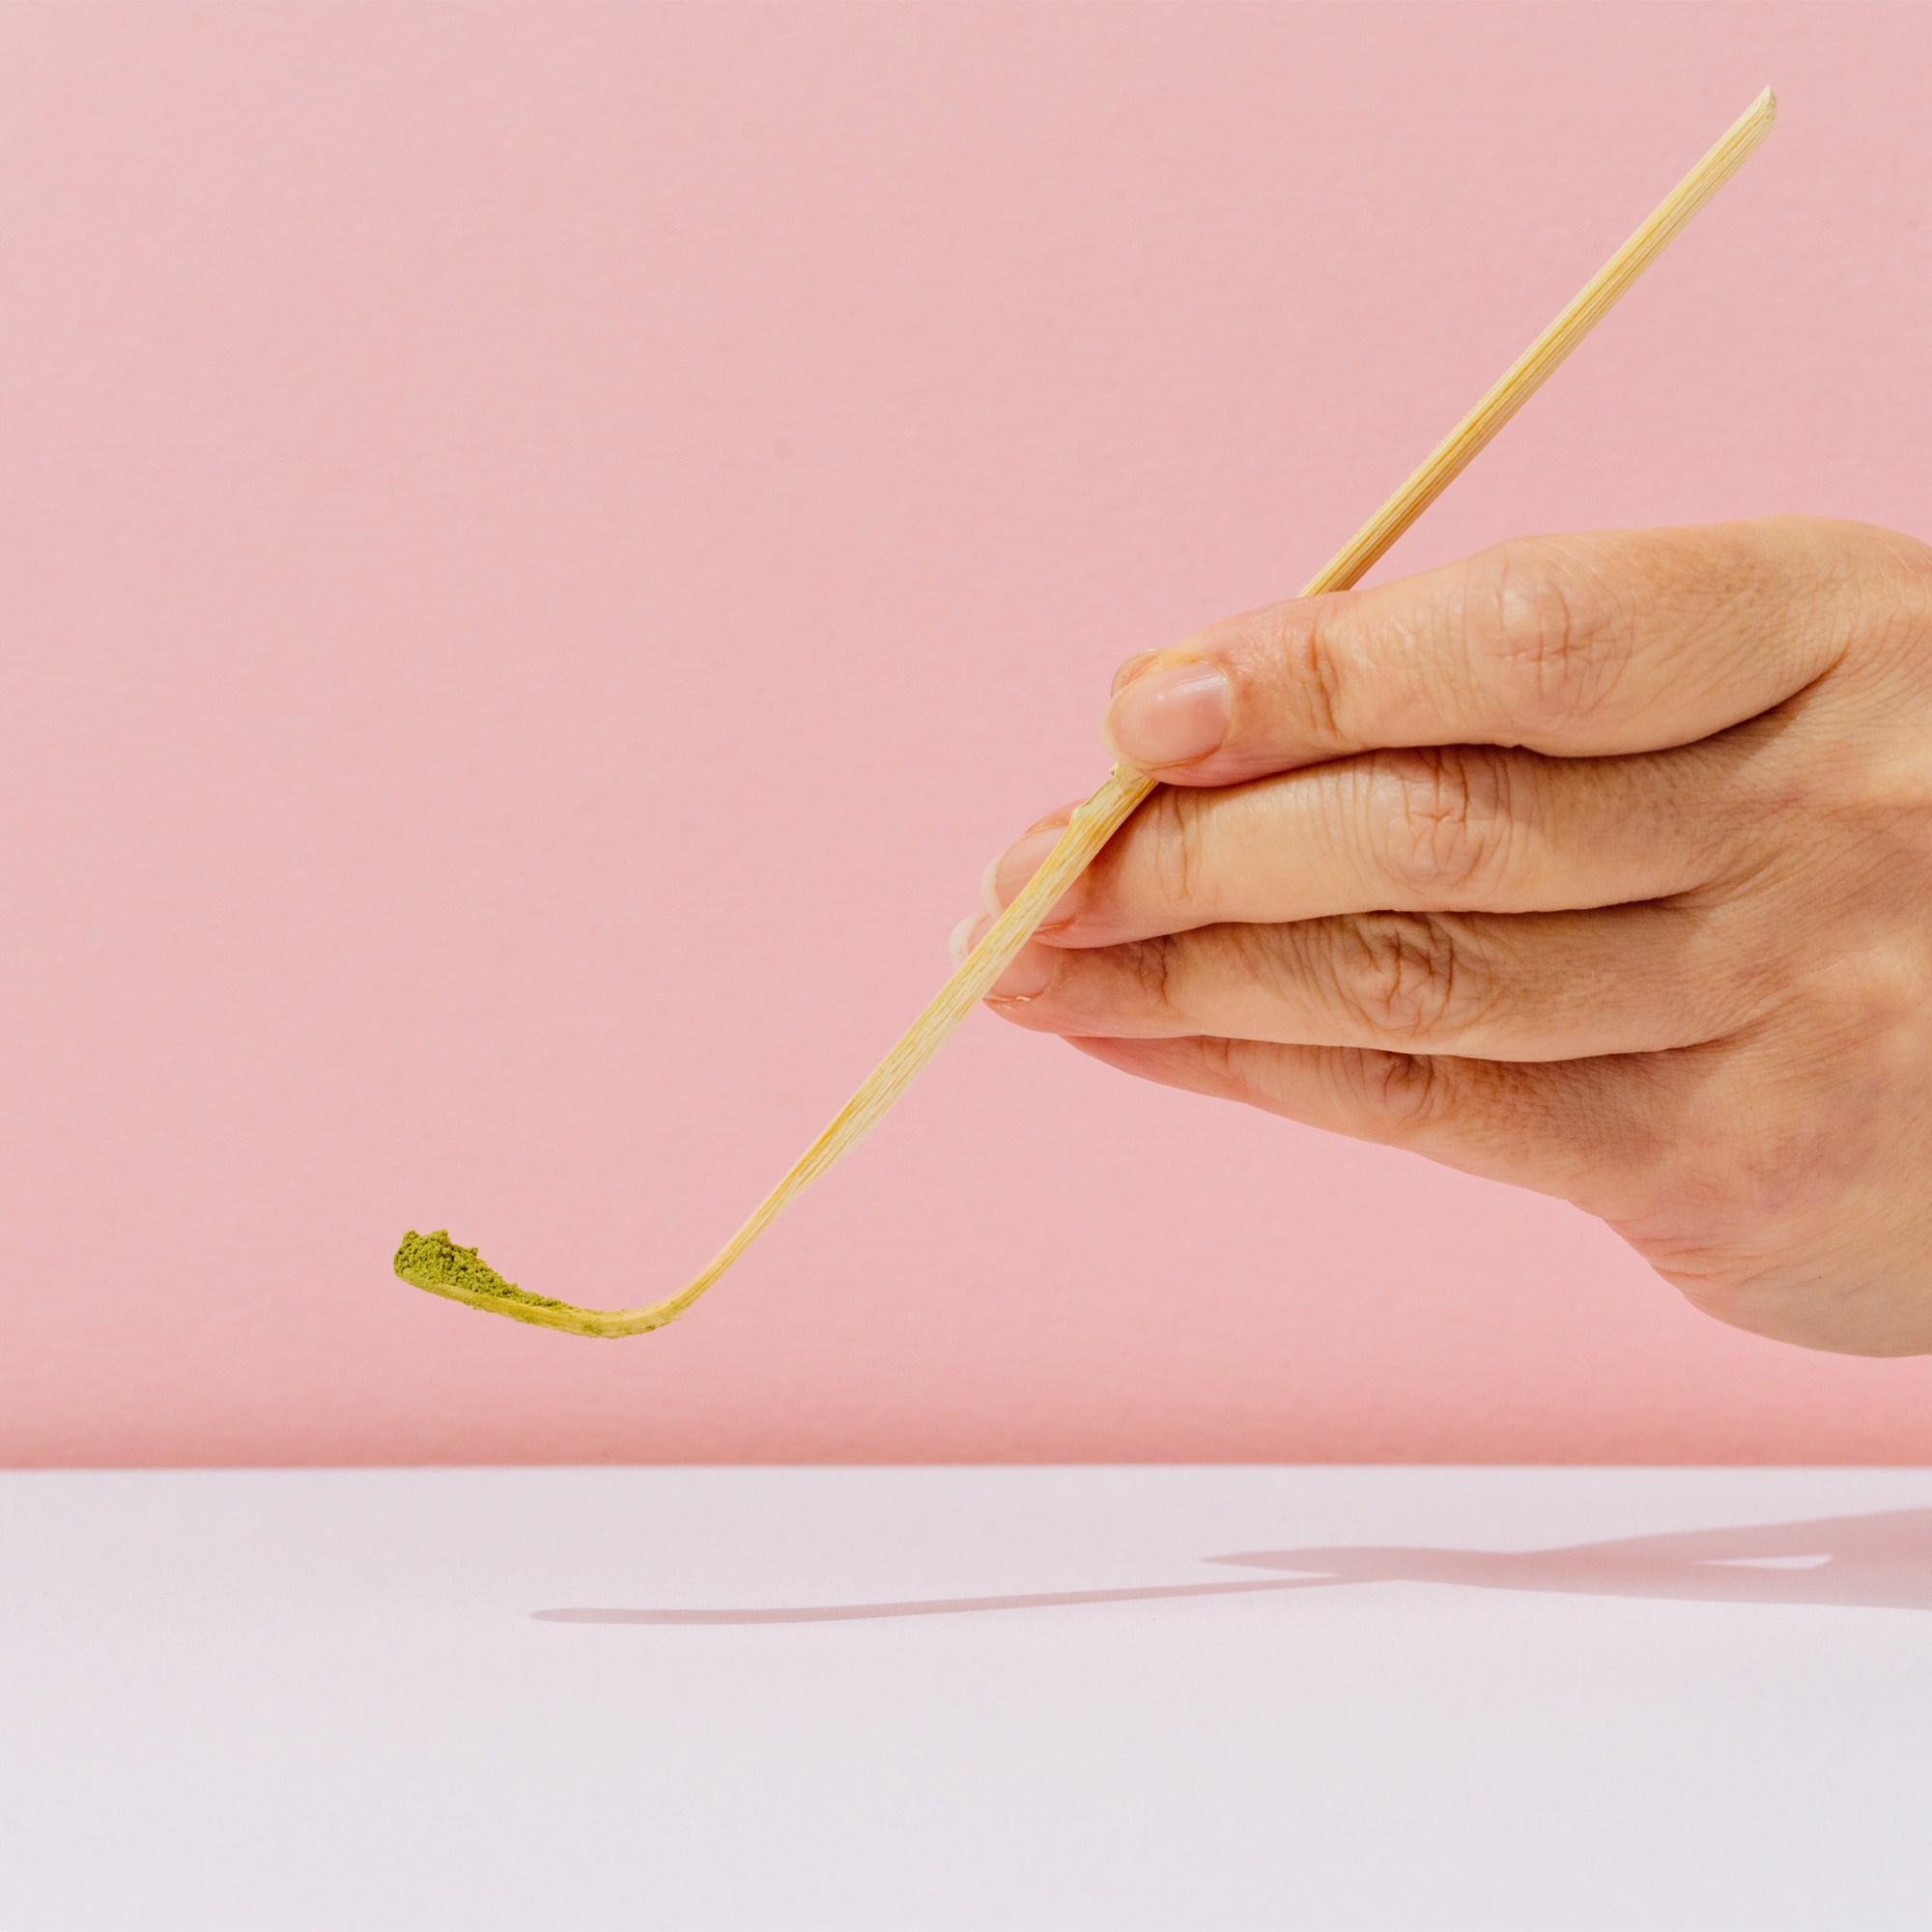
(443, 1267)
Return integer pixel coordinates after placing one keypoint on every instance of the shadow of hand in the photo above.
(1876, 1562)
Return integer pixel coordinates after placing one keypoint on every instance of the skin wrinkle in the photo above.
(1593, 634)
(1866, 592)
(1540, 641)
(1725, 603)
(1152, 961)
(1747, 607)
(1582, 644)
(1397, 977)
(1178, 859)
(1322, 679)
(1438, 674)
(1233, 1060)
(1452, 809)
(1406, 1091)
(1669, 785)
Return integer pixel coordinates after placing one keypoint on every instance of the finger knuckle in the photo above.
(1561, 633)
(1179, 846)
(1320, 652)
(1153, 964)
(1232, 1065)
(1443, 819)
(1405, 976)
(1397, 1096)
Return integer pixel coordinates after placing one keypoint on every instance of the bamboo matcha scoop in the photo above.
(436, 1263)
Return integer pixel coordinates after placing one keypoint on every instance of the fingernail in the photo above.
(1026, 977)
(1131, 670)
(1170, 717)
(1007, 876)
(966, 935)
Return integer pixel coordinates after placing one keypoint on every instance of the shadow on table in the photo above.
(1877, 1562)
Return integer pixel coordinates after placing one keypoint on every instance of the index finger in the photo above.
(1624, 641)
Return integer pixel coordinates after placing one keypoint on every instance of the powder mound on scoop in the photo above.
(436, 1263)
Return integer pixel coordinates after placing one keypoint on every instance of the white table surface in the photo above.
(986, 1698)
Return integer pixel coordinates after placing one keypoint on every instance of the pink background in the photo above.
(544, 548)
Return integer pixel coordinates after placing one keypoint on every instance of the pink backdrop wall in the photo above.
(544, 548)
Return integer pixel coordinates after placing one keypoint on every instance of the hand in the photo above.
(1600, 865)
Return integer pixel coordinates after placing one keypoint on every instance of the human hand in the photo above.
(1600, 865)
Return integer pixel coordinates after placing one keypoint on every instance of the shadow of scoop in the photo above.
(932, 1607)
(1873, 1562)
